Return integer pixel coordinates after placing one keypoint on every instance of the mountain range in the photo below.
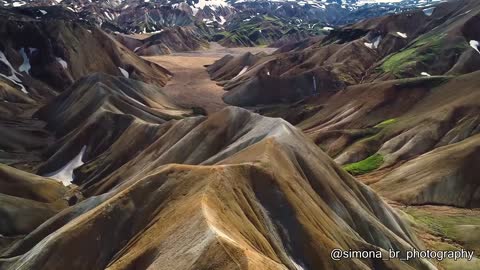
(223, 135)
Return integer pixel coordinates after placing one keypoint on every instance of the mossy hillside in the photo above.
(263, 30)
(386, 123)
(424, 51)
(447, 225)
(450, 233)
(365, 166)
(422, 82)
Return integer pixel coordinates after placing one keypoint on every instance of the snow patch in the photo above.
(62, 62)
(475, 44)
(245, 68)
(425, 74)
(18, 4)
(65, 174)
(13, 78)
(429, 11)
(136, 101)
(25, 67)
(403, 35)
(43, 12)
(222, 20)
(374, 44)
(124, 72)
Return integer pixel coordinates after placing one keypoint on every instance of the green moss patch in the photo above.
(263, 30)
(365, 166)
(386, 123)
(452, 229)
(447, 225)
(424, 52)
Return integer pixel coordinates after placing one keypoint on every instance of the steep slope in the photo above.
(397, 120)
(101, 109)
(256, 193)
(399, 109)
(177, 39)
(27, 201)
(41, 57)
(265, 30)
(100, 93)
(425, 179)
(229, 67)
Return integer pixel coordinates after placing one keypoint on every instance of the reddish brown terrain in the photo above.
(394, 101)
(366, 139)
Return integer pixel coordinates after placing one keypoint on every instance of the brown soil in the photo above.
(191, 85)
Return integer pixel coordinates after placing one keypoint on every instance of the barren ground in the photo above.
(191, 84)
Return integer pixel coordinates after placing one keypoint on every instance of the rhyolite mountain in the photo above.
(398, 89)
(438, 41)
(99, 169)
(394, 100)
(154, 15)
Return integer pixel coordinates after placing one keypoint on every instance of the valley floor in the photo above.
(191, 85)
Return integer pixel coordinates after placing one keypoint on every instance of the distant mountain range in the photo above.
(141, 16)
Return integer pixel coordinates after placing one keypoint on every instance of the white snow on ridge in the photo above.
(65, 174)
(374, 44)
(211, 3)
(62, 62)
(222, 20)
(429, 11)
(369, 45)
(124, 72)
(18, 4)
(363, 2)
(25, 67)
(403, 35)
(245, 68)
(425, 74)
(13, 78)
(475, 44)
